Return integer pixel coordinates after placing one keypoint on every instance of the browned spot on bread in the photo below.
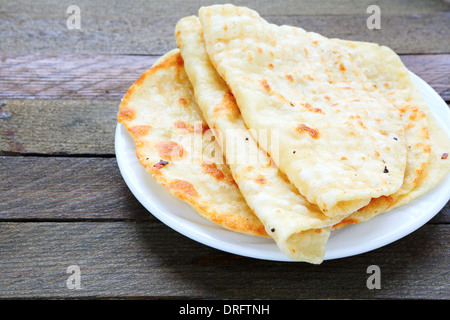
(170, 150)
(345, 222)
(189, 128)
(302, 128)
(388, 199)
(362, 124)
(211, 168)
(179, 60)
(140, 130)
(311, 108)
(186, 127)
(183, 189)
(290, 77)
(341, 67)
(126, 114)
(425, 133)
(200, 128)
(227, 105)
(269, 90)
(265, 85)
(182, 101)
(420, 172)
(261, 180)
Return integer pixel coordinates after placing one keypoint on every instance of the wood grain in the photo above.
(76, 189)
(67, 105)
(64, 202)
(58, 127)
(41, 76)
(126, 259)
(65, 189)
(147, 27)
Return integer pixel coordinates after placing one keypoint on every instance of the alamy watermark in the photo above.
(374, 20)
(374, 280)
(74, 280)
(74, 20)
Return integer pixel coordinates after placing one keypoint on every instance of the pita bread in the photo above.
(160, 113)
(299, 228)
(309, 89)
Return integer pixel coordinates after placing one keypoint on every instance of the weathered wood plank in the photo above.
(433, 69)
(58, 126)
(53, 8)
(56, 188)
(147, 27)
(70, 76)
(41, 76)
(149, 260)
(76, 189)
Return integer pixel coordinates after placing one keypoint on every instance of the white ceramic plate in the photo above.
(348, 241)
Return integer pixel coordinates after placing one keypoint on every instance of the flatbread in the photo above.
(299, 228)
(426, 141)
(311, 122)
(325, 110)
(160, 112)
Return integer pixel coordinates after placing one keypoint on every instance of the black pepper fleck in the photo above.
(385, 170)
(273, 229)
(395, 138)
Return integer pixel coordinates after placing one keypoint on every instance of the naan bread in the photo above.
(170, 137)
(309, 90)
(299, 228)
(341, 119)
(426, 141)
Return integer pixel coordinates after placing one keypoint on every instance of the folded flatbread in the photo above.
(298, 227)
(308, 134)
(332, 146)
(172, 143)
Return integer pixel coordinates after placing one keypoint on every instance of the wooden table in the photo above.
(63, 201)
